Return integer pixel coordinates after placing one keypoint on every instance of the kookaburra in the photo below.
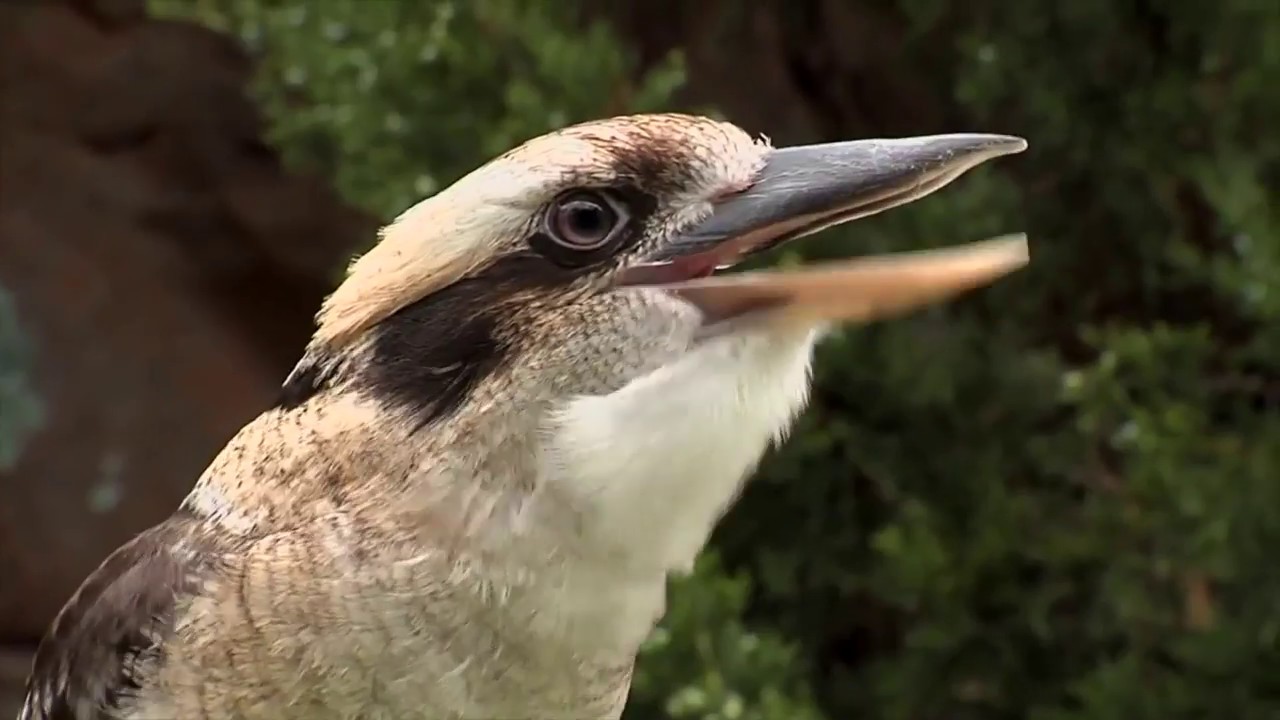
(523, 410)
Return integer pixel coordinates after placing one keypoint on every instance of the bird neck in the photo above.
(575, 506)
(523, 453)
(346, 453)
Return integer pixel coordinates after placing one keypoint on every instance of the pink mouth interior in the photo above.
(680, 269)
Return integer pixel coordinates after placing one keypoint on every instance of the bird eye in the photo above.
(584, 227)
(583, 221)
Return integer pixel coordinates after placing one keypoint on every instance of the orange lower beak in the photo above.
(858, 289)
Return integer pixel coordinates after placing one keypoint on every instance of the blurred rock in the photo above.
(14, 665)
(163, 265)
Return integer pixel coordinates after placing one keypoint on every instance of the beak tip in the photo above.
(978, 146)
(1007, 144)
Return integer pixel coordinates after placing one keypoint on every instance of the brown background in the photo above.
(163, 266)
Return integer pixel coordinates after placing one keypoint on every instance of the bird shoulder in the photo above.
(111, 634)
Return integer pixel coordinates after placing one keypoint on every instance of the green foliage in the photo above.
(703, 663)
(1053, 500)
(395, 100)
(20, 410)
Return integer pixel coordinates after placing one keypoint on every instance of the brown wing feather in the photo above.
(116, 623)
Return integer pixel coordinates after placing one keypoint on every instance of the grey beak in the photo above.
(804, 189)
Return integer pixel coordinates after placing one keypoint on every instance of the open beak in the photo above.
(802, 190)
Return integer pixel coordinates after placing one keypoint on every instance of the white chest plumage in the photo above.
(654, 465)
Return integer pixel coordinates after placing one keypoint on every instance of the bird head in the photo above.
(590, 256)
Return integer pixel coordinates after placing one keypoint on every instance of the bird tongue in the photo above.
(858, 289)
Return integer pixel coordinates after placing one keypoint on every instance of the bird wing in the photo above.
(113, 629)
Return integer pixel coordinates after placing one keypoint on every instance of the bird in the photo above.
(521, 413)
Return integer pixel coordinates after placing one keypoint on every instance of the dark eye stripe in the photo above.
(429, 355)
